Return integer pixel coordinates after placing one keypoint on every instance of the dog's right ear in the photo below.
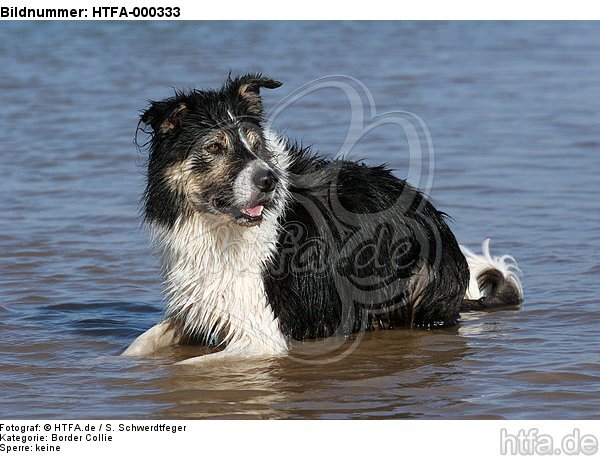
(166, 115)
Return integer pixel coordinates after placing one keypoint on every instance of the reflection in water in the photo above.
(384, 373)
(513, 112)
(228, 390)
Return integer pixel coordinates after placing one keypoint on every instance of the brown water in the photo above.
(514, 113)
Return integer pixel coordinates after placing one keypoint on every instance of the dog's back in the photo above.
(361, 250)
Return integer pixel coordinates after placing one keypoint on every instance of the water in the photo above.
(514, 113)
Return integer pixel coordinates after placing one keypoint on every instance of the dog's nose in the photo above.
(265, 180)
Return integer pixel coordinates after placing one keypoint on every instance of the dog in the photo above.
(262, 241)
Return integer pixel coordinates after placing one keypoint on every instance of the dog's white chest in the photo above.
(214, 284)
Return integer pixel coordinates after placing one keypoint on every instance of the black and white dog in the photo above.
(263, 242)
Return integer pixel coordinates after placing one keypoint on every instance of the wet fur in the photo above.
(342, 246)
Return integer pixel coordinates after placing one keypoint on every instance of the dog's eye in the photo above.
(215, 148)
(256, 145)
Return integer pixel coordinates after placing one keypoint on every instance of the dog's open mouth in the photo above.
(246, 216)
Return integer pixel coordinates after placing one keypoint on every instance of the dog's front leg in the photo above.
(232, 353)
(225, 354)
(159, 336)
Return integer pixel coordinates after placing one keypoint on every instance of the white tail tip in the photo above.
(478, 263)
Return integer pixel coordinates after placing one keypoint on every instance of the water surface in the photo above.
(514, 113)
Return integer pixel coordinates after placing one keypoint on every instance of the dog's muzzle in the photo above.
(253, 192)
(265, 180)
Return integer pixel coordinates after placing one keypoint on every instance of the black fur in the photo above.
(362, 236)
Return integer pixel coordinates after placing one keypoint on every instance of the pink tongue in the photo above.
(253, 211)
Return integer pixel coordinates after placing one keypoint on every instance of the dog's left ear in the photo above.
(248, 88)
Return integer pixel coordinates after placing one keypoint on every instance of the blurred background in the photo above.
(514, 113)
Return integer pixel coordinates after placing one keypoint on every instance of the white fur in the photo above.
(244, 139)
(282, 158)
(506, 264)
(243, 187)
(213, 273)
(159, 336)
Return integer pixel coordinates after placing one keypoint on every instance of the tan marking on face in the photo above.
(252, 136)
(178, 175)
(223, 138)
(220, 137)
(183, 179)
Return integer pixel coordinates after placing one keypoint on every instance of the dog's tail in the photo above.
(493, 281)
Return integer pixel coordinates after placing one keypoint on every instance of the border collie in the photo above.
(263, 241)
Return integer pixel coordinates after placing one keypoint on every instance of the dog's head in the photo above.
(209, 154)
